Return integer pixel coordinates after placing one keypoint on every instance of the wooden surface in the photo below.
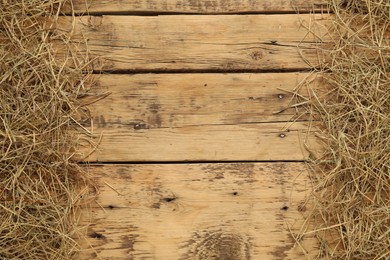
(200, 117)
(195, 6)
(177, 100)
(198, 211)
(197, 42)
(190, 95)
(244, 142)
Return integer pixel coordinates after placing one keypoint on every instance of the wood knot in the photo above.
(256, 55)
(218, 245)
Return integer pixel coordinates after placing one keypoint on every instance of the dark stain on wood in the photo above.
(100, 121)
(156, 205)
(244, 172)
(218, 245)
(256, 55)
(155, 118)
(124, 172)
(236, 168)
(281, 252)
(154, 108)
(128, 243)
(218, 176)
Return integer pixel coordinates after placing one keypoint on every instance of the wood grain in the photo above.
(195, 6)
(196, 42)
(200, 117)
(177, 100)
(198, 211)
(246, 142)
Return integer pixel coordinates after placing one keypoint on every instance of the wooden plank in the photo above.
(175, 117)
(196, 42)
(198, 211)
(241, 142)
(176, 100)
(195, 6)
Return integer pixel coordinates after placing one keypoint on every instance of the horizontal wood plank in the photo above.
(177, 100)
(246, 142)
(194, 6)
(196, 42)
(198, 211)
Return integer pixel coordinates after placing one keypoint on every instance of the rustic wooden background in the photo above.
(199, 158)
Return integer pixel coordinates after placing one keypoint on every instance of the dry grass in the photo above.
(41, 185)
(352, 179)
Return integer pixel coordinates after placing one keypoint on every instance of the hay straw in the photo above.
(41, 185)
(351, 198)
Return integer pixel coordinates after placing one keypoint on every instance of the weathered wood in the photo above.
(195, 6)
(176, 100)
(199, 117)
(198, 211)
(196, 42)
(261, 141)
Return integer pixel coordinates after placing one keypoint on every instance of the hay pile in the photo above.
(352, 194)
(40, 184)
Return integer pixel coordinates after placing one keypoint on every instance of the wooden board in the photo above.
(198, 211)
(196, 42)
(246, 142)
(199, 117)
(176, 100)
(195, 6)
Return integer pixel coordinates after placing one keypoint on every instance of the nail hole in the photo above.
(111, 206)
(235, 193)
(169, 199)
(285, 208)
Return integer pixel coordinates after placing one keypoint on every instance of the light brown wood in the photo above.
(197, 42)
(196, 6)
(198, 211)
(199, 117)
(246, 142)
(176, 100)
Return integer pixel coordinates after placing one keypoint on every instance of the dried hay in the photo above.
(351, 199)
(41, 185)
